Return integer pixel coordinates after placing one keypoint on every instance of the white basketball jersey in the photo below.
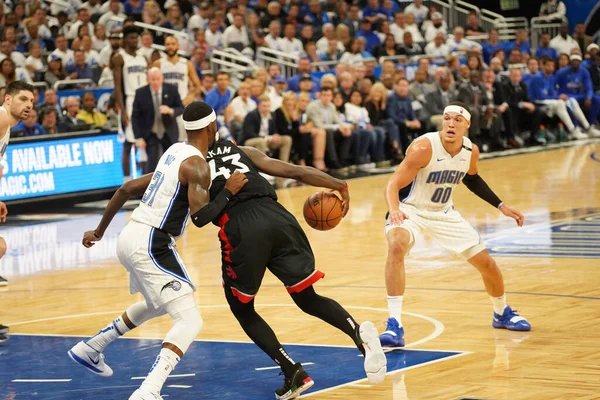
(176, 74)
(432, 188)
(4, 140)
(134, 73)
(165, 203)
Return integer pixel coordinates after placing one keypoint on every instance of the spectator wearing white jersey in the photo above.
(289, 43)
(83, 18)
(114, 12)
(273, 39)
(563, 43)
(438, 47)
(437, 25)
(213, 35)
(236, 34)
(418, 10)
(328, 35)
(237, 110)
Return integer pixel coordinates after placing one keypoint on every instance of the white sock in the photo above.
(499, 303)
(108, 335)
(165, 363)
(395, 308)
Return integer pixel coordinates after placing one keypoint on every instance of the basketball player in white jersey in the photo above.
(18, 102)
(129, 71)
(435, 163)
(180, 72)
(146, 248)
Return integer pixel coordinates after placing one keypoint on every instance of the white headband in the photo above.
(201, 123)
(459, 110)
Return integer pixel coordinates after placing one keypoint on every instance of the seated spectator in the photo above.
(594, 70)
(174, 20)
(533, 67)
(418, 10)
(371, 38)
(328, 35)
(376, 104)
(89, 114)
(92, 57)
(306, 86)
(374, 13)
(459, 43)
(542, 92)
(303, 69)
(581, 38)
(524, 112)
(576, 83)
(289, 43)
(50, 101)
(498, 69)
(329, 80)
(352, 22)
(399, 109)
(134, 7)
(591, 51)
(409, 47)
(316, 16)
(411, 26)
(219, 97)
(213, 35)
(323, 115)
(8, 50)
(553, 11)
(49, 118)
(99, 38)
(515, 58)
(310, 52)
(259, 131)
(70, 122)
(353, 55)
(472, 92)
(563, 61)
(397, 28)
(333, 53)
(34, 63)
(366, 141)
(114, 11)
(438, 48)
(307, 34)
(544, 48)
(342, 32)
(563, 43)
(33, 36)
(438, 99)
(522, 43)
(472, 28)
(67, 55)
(237, 110)
(83, 18)
(388, 48)
(276, 95)
(10, 73)
(346, 85)
(30, 125)
(492, 45)
(437, 26)
(474, 63)
(464, 74)
(501, 114)
(419, 87)
(81, 70)
(307, 134)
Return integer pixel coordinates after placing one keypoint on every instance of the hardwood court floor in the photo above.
(550, 268)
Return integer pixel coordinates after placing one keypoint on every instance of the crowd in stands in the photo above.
(363, 108)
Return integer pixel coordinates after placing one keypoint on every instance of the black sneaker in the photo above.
(3, 281)
(294, 386)
(3, 333)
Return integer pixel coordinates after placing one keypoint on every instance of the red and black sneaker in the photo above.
(296, 384)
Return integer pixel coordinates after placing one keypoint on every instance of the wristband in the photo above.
(97, 236)
(344, 189)
(500, 205)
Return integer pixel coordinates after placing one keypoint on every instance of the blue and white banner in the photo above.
(46, 168)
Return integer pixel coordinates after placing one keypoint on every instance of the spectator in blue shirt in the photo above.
(374, 13)
(492, 45)
(80, 70)
(399, 109)
(219, 97)
(521, 42)
(303, 69)
(30, 125)
(544, 48)
(371, 37)
(591, 50)
(315, 16)
(576, 83)
(533, 66)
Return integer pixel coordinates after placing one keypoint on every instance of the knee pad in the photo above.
(187, 322)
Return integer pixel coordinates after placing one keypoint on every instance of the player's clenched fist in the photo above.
(236, 182)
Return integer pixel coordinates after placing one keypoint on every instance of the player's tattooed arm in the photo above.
(195, 174)
(135, 187)
(418, 155)
(307, 175)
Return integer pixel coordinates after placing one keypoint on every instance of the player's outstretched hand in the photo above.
(514, 214)
(89, 238)
(3, 212)
(397, 217)
(236, 182)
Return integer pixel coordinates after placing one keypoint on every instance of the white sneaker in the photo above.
(84, 355)
(375, 361)
(141, 394)
(593, 132)
(578, 134)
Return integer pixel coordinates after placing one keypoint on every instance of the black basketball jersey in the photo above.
(224, 158)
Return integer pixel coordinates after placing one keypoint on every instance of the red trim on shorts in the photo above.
(244, 298)
(311, 280)
(223, 236)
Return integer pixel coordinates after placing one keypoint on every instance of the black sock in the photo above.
(260, 332)
(329, 311)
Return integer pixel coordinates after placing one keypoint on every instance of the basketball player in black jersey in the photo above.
(258, 233)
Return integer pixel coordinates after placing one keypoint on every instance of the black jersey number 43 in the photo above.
(229, 165)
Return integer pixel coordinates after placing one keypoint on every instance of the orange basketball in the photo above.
(323, 211)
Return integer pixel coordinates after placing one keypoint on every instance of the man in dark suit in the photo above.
(473, 93)
(155, 108)
(353, 21)
(524, 112)
(437, 100)
(70, 122)
(259, 131)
